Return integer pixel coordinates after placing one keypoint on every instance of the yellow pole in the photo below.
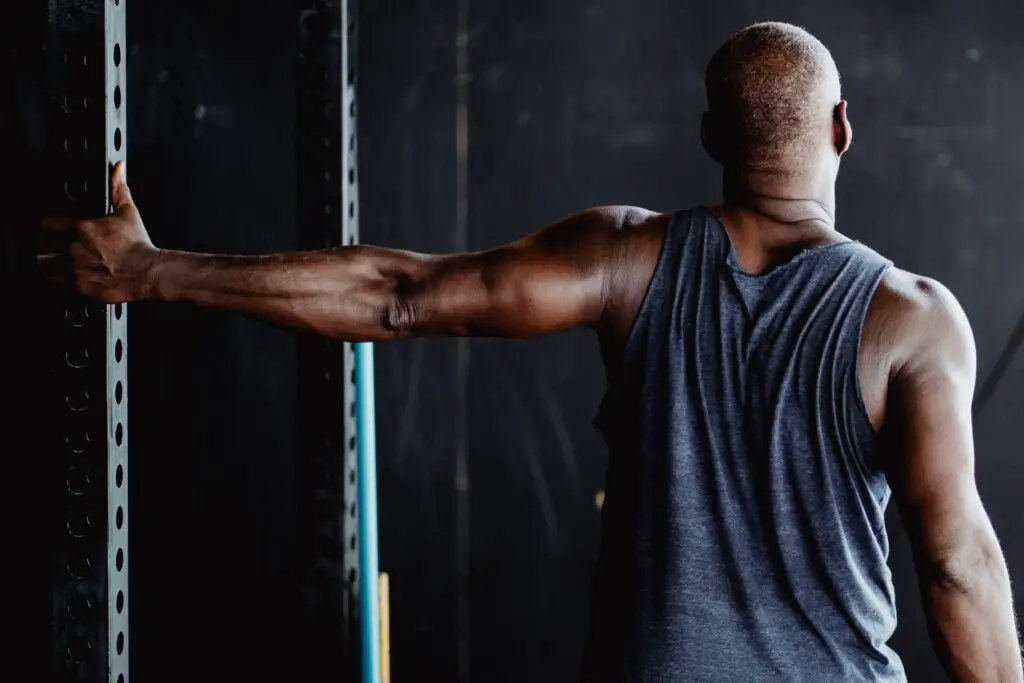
(385, 628)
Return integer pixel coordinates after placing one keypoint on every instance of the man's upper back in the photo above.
(743, 529)
(895, 327)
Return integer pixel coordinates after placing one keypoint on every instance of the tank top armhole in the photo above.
(862, 415)
(657, 278)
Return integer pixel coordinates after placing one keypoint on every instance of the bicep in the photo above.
(552, 280)
(930, 428)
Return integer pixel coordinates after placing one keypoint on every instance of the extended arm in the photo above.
(550, 281)
(553, 280)
(963, 577)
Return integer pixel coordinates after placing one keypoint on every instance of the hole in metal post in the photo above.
(119, 476)
(76, 317)
(78, 649)
(118, 310)
(118, 351)
(119, 434)
(119, 561)
(119, 517)
(77, 360)
(117, 145)
(78, 566)
(117, 54)
(78, 444)
(120, 601)
(120, 643)
(78, 481)
(78, 401)
(118, 392)
(78, 606)
(79, 525)
(117, 97)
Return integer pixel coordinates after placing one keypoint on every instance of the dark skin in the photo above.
(591, 269)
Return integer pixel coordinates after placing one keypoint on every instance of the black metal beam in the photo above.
(326, 396)
(87, 389)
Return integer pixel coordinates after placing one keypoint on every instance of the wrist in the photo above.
(152, 276)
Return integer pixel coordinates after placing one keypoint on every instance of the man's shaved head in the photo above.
(772, 93)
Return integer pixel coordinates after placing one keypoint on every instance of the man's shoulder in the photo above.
(620, 216)
(916, 298)
(921, 318)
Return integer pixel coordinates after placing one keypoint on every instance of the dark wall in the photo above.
(570, 104)
(211, 139)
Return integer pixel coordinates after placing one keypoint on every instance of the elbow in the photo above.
(398, 318)
(400, 315)
(965, 568)
(951, 576)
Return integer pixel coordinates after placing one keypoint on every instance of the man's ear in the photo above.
(842, 131)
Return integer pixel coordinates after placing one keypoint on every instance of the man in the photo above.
(768, 380)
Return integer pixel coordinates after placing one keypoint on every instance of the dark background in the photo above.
(570, 104)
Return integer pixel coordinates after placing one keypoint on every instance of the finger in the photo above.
(52, 268)
(52, 242)
(120, 195)
(57, 225)
(49, 243)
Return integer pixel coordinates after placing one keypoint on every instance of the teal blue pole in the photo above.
(366, 466)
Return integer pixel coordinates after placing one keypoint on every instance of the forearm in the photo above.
(345, 293)
(970, 615)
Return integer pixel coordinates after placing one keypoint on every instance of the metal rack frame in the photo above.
(328, 217)
(88, 389)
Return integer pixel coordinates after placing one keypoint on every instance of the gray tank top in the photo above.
(743, 529)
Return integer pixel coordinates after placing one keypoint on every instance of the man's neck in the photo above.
(785, 198)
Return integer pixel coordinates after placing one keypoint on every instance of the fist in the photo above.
(108, 259)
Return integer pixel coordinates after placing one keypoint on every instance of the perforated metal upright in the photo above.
(327, 218)
(87, 388)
